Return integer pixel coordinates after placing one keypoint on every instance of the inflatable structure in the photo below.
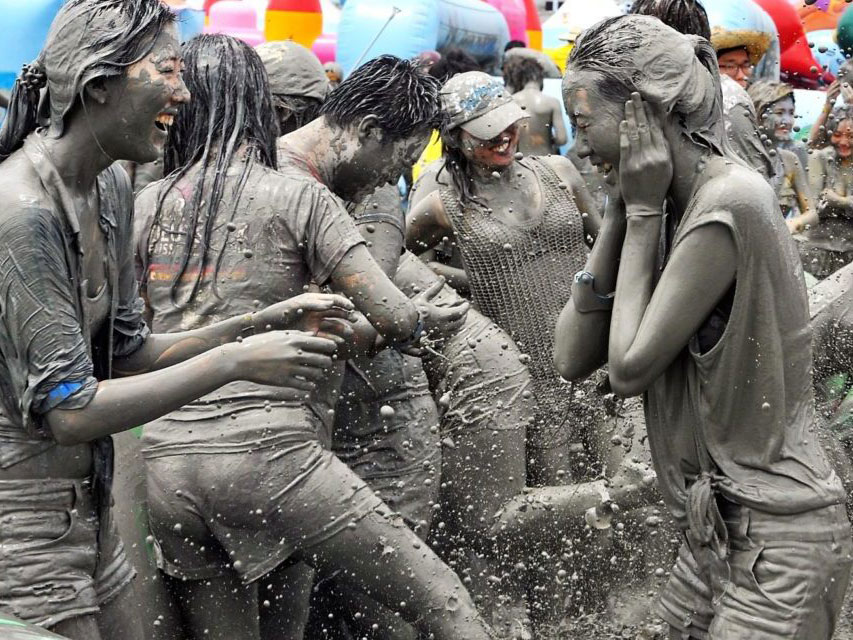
(405, 28)
(534, 26)
(297, 20)
(825, 50)
(799, 67)
(844, 34)
(820, 15)
(515, 14)
(235, 18)
(23, 30)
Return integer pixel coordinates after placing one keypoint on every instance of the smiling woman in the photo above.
(70, 314)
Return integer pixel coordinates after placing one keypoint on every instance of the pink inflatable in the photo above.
(325, 47)
(237, 19)
(516, 17)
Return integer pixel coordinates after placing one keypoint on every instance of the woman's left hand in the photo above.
(645, 165)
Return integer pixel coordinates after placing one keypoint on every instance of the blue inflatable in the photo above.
(23, 30)
(420, 25)
(826, 51)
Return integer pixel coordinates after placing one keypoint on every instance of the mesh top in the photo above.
(521, 275)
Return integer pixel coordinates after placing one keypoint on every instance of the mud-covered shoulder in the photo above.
(564, 168)
(20, 187)
(739, 191)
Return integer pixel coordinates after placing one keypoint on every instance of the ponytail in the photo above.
(22, 115)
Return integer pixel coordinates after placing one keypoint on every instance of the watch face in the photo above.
(13, 629)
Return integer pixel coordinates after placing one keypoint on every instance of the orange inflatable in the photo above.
(534, 26)
(297, 20)
(821, 15)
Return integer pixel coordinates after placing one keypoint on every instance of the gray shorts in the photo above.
(248, 512)
(785, 579)
(57, 559)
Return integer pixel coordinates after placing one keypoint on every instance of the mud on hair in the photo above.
(396, 91)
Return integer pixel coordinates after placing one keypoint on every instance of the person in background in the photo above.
(335, 73)
(544, 131)
(774, 104)
(297, 80)
(829, 246)
(514, 44)
(738, 51)
(819, 136)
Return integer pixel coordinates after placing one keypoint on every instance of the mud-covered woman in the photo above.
(694, 297)
(77, 362)
(829, 246)
(252, 487)
(774, 106)
(518, 225)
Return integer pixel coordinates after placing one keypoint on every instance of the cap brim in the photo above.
(490, 124)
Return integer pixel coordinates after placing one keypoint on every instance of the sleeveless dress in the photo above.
(521, 276)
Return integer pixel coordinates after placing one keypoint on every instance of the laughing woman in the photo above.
(693, 295)
(70, 315)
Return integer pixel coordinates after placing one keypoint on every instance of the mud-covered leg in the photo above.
(385, 560)
(219, 608)
(283, 596)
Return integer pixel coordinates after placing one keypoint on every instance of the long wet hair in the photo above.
(89, 39)
(402, 97)
(231, 106)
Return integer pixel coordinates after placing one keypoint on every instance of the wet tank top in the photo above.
(521, 276)
(742, 410)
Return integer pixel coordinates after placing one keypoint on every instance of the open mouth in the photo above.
(164, 121)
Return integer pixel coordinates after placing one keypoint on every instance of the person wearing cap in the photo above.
(738, 51)
(520, 224)
(774, 104)
(298, 82)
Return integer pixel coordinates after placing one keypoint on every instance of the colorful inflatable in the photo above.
(515, 14)
(297, 20)
(820, 15)
(405, 28)
(235, 18)
(747, 18)
(22, 30)
(534, 26)
(798, 65)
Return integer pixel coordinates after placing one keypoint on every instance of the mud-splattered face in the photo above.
(375, 161)
(497, 153)
(778, 119)
(842, 139)
(595, 120)
(144, 102)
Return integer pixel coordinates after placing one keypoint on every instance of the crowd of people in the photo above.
(388, 344)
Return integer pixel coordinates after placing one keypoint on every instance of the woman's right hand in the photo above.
(832, 94)
(305, 312)
(282, 359)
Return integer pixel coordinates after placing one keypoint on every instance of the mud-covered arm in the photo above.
(571, 177)
(558, 125)
(805, 197)
(581, 339)
(818, 137)
(426, 224)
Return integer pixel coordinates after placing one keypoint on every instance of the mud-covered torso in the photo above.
(521, 271)
(272, 236)
(741, 407)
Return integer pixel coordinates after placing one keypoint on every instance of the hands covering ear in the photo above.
(645, 165)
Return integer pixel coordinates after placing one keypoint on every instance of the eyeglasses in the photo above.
(731, 67)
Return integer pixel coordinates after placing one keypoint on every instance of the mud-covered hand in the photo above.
(305, 312)
(283, 359)
(440, 320)
(645, 165)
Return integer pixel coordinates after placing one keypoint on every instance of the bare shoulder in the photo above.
(738, 189)
(20, 185)
(564, 168)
